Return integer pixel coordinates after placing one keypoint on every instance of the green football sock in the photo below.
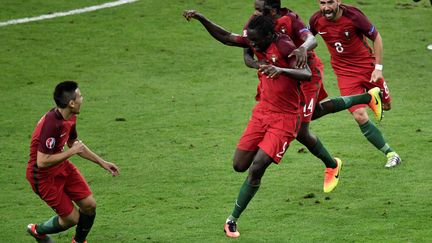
(84, 226)
(321, 152)
(375, 137)
(345, 102)
(247, 192)
(51, 226)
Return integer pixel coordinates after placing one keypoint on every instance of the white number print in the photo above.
(281, 153)
(307, 110)
(339, 47)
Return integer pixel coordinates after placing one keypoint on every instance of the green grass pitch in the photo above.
(167, 103)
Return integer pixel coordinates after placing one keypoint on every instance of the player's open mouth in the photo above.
(329, 14)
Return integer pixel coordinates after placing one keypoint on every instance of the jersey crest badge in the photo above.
(50, 143)
(283, 30)
(273, 58)
(347, 34)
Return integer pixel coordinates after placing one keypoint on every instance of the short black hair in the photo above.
(263, 24)
(273, 4)
(65, 92)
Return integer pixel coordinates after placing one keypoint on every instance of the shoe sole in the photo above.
(229, 235)
(392, 166)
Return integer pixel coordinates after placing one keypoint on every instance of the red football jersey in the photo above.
(291, 24)
(50, 136)
(346, 40)
(281, 93)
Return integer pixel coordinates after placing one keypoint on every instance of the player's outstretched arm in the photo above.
(300, 53)
(86, 153)
(219, 33)
(378, 52)
(295, 73)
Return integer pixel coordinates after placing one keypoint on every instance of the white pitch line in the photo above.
(61, 14)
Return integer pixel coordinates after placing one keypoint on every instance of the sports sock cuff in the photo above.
(252, 185)
(56, 222)
(365, 128)
(339, 104)
(231, 218)
(386, 149)
(347, 101)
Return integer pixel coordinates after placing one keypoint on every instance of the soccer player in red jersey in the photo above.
(358, 67)
(53, 177)
(312, 92)
(275, 118)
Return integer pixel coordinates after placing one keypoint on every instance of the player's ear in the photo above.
(71, 103)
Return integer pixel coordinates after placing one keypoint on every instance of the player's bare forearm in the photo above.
(46, 160)
(220, 34)
(378, 49)
(378, 52)
(249, 59)
(216, 31)
(87, 154)
(310, 42)
(301, 52)
(297, 73)
(92, 156)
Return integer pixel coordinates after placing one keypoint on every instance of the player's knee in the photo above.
(242, 160)
(258, 167)
(89, 207)
(70, 220)
(73, 222)
(301, 137)
(239, 167)
(256, 171)
(321, 109)
(361, 116)
(306, 138)
(254, 177)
